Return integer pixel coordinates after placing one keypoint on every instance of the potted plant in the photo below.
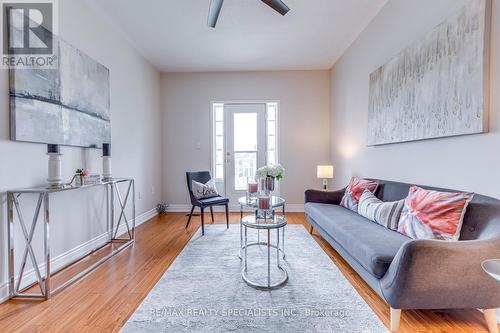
(81, 173)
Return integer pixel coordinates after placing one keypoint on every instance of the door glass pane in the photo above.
(271, 157)
(219, 113)
(219, 128)
(219, 171)
(245, 165)
(271, 128)
(219, 157)
(245, 132)
(271, 144)
(271, 112)
(219, 142)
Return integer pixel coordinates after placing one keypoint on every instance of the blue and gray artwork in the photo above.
(68, 105)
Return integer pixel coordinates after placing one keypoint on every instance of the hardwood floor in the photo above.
(102, 301)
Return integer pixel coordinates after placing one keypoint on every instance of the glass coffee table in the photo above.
(277, 222)
(275, 202)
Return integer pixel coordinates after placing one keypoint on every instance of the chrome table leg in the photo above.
(10, 240)
(29, 239)
(284, 243)
(123, 205)
(278, 247)
(246, 247)
(133, 208)
(47, 244)
(241, 231)
(28, 247)
(269, 258)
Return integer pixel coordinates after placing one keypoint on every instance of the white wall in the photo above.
(136, 137)
(467, 163)
(304, 123)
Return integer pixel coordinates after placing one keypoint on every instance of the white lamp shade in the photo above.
(325, 171)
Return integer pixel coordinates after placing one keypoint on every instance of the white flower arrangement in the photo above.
(275, 171)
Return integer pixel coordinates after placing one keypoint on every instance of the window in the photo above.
(218, 115)
(245, 149)
(272, 133)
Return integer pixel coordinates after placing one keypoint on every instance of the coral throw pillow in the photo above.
(433, 215)
(355, 190)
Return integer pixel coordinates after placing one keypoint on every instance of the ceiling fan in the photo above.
(216, 5)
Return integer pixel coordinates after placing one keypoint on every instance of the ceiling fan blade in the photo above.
(277, 5)
(213, 12)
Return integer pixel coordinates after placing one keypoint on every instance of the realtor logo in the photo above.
(28, 39)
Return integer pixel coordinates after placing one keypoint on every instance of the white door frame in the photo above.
(222, 187)
(230, 109)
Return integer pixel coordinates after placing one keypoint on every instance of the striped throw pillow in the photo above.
(384, 213)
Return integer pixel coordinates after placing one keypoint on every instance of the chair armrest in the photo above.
(328, 197)
(432, 274)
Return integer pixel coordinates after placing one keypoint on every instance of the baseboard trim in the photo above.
(73, 254)
(183, 208)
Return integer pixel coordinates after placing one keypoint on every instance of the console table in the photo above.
(43, 195)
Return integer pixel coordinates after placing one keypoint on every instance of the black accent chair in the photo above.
(203, 177)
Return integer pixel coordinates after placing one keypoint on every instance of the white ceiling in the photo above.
(173, 35)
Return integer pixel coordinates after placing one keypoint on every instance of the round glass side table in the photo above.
(276, 223)
(492, 267)
(275, 202)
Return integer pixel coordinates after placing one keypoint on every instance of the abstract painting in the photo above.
(436, 87)
(69, 105)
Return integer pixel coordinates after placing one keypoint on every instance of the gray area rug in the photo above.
(203, 290)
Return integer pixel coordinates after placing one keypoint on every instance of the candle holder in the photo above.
(252, 190)
(264, 211)
(267, 184)
(106, 162)
(54, 178)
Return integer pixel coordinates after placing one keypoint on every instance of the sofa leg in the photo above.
(491, 320)
(395, 319)
(311, 229)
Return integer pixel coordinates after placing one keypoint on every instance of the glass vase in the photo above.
(269, 184)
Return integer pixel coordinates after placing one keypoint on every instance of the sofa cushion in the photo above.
(214, 201)
(369, 243)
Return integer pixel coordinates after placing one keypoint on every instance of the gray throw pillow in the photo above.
(384, 213)
(204, 191)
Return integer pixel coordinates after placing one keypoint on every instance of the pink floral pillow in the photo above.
(433, 215)
(355, 190)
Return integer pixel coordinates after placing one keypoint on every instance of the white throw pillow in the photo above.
(204, 191)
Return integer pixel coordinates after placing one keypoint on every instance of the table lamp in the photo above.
(325, 172)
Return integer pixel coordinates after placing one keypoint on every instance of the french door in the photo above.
(245, 142)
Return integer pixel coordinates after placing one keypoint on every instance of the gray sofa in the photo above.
(415, 274)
